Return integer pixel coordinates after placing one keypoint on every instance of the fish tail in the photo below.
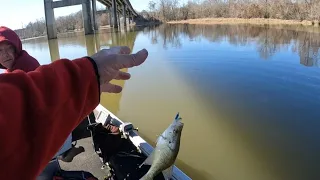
(177, 116)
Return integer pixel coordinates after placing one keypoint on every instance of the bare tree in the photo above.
(67, 23)
(152, 6)
(168, 10)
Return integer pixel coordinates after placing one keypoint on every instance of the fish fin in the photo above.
(143, 178)
(177, 118)
(167, 173)
(158, 139)
(149, 159)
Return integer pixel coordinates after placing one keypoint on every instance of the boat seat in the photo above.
(120, 154)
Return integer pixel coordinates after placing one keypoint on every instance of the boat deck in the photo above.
(86, 161)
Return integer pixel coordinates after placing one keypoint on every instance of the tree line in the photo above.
(268, 39)
(67, 23)
(171, 10)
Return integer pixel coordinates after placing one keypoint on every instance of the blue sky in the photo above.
(16, 13)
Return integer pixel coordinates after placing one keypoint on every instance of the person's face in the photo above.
(7, 54)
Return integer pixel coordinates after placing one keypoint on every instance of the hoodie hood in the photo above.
(23, 60)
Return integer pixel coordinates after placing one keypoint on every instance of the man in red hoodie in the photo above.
(39, 109)
(12, 57)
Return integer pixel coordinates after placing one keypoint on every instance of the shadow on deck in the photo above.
(88, 160)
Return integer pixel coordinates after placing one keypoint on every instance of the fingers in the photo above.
(123, 76)
(110, 88)
(125, 50)
(127, 61)
(107, 74)
(120, 50)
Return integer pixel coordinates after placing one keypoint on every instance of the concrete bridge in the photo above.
(115, 8)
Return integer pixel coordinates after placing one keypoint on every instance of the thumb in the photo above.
(127, 61)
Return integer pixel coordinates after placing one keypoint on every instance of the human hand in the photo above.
(109, 63)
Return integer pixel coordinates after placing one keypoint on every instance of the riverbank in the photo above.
(245, 21)
(72, 32)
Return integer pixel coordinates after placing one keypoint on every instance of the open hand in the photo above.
(110, 61)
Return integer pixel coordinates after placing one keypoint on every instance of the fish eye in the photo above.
(175, 131)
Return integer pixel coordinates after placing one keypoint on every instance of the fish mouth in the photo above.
(180, 123)
(178, 120)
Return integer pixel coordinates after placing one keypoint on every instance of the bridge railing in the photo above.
(129, 8)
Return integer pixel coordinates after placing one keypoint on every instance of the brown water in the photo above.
(248, 95)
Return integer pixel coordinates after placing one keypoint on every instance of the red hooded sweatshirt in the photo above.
(39, 109)
(22, 60)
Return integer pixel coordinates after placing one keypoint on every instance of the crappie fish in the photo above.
(166, 151)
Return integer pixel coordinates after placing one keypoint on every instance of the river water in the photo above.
(248, 95)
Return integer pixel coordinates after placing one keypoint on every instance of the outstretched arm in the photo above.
(40, 108)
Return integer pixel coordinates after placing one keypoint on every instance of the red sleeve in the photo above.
(39, 109)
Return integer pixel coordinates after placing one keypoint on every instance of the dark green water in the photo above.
(248, 95)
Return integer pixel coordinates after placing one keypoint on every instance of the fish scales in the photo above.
(165, 152)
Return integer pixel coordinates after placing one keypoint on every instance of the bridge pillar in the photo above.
(132, 18)
(114, 13)
(129, 17)
(94, 12)
(110, 16)
(119, 22)
(124, 15)
(50, 22)
(86, 14)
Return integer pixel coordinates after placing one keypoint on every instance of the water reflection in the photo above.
(54, 49)
(268, 40)
(245, 118)
(90, 44)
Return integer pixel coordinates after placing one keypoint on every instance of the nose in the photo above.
(3, 54)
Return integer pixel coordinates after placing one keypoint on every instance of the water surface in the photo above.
(248, 95)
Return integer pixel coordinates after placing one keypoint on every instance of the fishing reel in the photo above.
(126, 128)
